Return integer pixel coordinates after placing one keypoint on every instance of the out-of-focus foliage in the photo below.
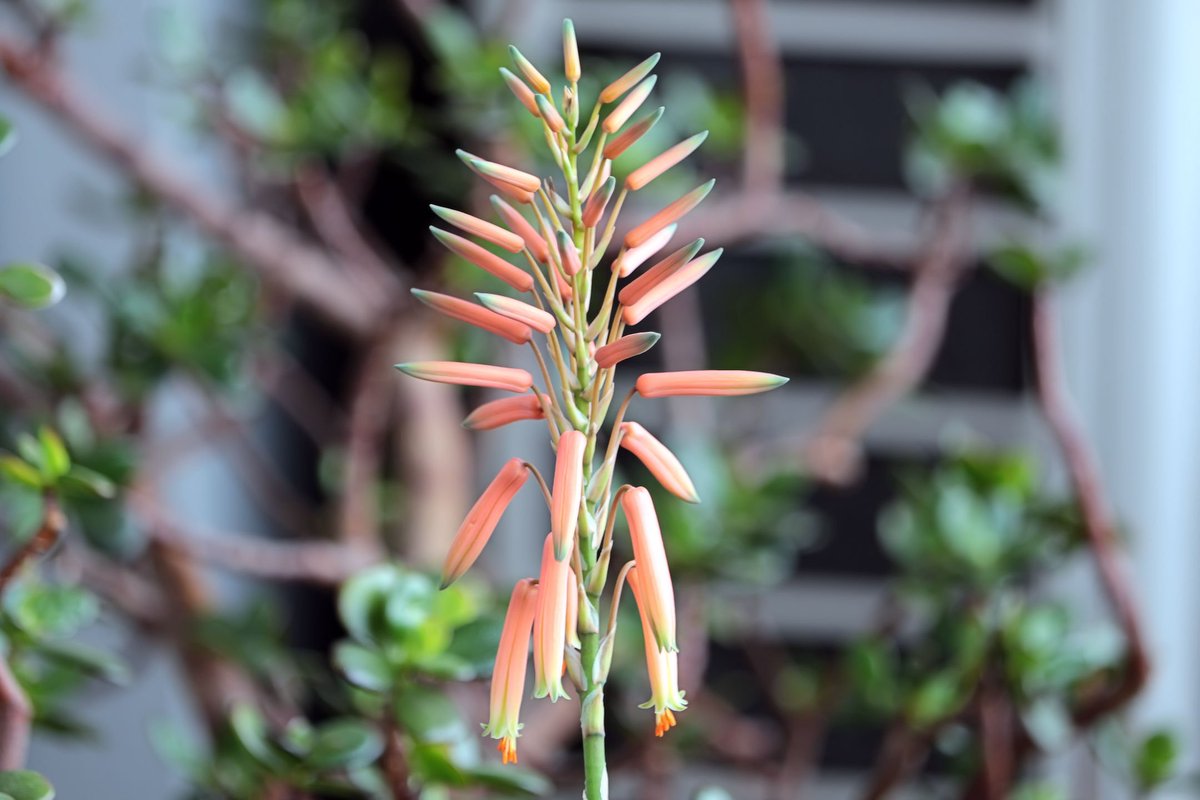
(23, 784)
(972, 133)
(39, 627)
(813, 313)
(406, 642)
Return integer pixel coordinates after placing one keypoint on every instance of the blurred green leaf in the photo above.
(55, 460)
(428, 714)
(363, 667)
(8, 136)
(344, 744)
(20, 472)
(1156, 759)
(31, 285)
(25, 785)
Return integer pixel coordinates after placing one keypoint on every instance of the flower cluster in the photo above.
(561, 238)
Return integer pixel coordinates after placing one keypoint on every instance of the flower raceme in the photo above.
(551, 242)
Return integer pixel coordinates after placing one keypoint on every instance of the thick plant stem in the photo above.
(595, 769)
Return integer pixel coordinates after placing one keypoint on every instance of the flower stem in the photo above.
(595, 768)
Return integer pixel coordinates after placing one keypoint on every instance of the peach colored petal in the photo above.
(630, 135)
(536, 79)
(594, 208)
(637, 288)
(510, 379)
(625, 109)
(549, 113)
(568, 254)
(522, 312)
(651, 557)
(520, 226)
(504, 411)
(481, 228)
(626, 347)
(669, 286)
(550, 623)
(486, 260)
(571, 68)
(482, 519)
(513, 330)
(568, 491)
(627, 81)
(663, 162)
(662, 666)
(522, 92)
(661, 462)
(672, 213)
(630, 260)
(508, 677)
(710, 382)
(500, 172)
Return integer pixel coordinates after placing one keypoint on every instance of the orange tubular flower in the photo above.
(516, 332)
(670, 286)
(627, 81)
(512, 308)
(520, 226)
(482, 519)
(568, 254)
(598, 202)
(664, 161)
(628, 137)
(661, 462)
(651, 557)
(568, 491)
(536, 79)
(501, 412)
(581, 304)
(550, 624)
(549, 113)
(672, 213)
(630, 260)
(515, 277)
(481, 228)
(661, 665)
(621, 114)
(508, 678)
(510, 379)
(637, 288)
(522, 92)
(708, 382)
(626, 347)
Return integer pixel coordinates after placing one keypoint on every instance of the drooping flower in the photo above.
(661, 462)
(508, 677)
(568, 491)
(661, 665)
(651, 557)
(550, 625)
(482, 519)
(522, 92)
